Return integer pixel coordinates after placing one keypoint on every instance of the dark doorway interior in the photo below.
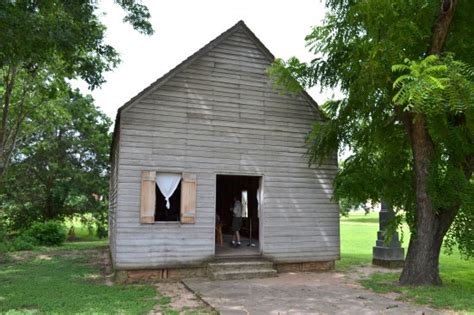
(228, 186)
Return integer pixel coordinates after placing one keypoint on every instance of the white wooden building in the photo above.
(216, 122)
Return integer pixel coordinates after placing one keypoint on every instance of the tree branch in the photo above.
(441, 26)
(11, 139)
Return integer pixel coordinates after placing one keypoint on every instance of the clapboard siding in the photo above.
(113, 196)
(220, 115)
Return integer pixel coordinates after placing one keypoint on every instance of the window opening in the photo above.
(167, 197)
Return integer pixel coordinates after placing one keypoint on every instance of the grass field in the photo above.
(63, 279)
(358, 235)
(82, 233)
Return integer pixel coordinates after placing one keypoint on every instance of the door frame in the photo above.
(261, 180)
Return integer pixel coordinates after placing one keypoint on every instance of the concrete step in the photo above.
(239, 265)
(241, 269)
(243, 274)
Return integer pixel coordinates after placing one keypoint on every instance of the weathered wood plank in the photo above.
(221, 115)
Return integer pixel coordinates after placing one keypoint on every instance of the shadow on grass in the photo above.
(457, 295)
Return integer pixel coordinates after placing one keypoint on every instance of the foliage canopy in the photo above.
(43, 44)
(67, 34)
(53, 141)
(60, 167)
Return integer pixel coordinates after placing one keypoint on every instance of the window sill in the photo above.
(167, 222)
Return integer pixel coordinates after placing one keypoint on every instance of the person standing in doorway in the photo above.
(236, 221)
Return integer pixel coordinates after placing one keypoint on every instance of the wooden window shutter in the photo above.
(147, 205)
(188, 198)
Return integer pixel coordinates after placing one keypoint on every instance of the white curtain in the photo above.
(259, 200)
(259, 196)
(167, 183)
(245, 208)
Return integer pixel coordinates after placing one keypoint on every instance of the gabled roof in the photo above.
(240, 26)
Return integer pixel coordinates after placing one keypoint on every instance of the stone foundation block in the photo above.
(305, 266)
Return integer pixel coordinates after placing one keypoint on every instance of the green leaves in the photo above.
(65, 33)
(60, 165)
(434, 85)
(52, 31)
(138, 15)
(291, 76)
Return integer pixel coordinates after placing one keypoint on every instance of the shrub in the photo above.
(3, 238)
(50, 233)
(3, 232)
(3, 252)
(102, 231)
(23, 242)
(3, 248)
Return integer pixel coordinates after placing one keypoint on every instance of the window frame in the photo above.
(145, 200)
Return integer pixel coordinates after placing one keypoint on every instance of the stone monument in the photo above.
(391, 255)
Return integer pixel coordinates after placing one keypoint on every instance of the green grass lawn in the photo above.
(65, 280)
(70, 279)
(358, 235)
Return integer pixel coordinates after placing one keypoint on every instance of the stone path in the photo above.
(300, 293)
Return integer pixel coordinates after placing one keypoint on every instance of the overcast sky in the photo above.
(184, 26)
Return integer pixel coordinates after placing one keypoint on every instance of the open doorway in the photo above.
(246, 189)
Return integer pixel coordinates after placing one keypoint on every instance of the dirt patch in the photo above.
(44, 257)
(21, 256)
(175, 297)
(106, 269)
(49, 253)
(364, 271)
(357, 273)
(360, 272)
(180, 296)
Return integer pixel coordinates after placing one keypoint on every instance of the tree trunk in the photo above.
(9, 83)
(2, 150)
(422, 260)
(421, 264)
(48, 213)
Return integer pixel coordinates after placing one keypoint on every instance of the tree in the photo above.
(61, 165)
(412, 135)
(44, 42)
